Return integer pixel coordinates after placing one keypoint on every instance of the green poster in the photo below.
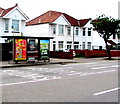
(44, 49)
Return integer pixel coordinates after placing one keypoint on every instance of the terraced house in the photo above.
(68, 32)
(12, 22)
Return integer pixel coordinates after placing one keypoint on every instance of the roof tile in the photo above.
(83, 22)
(3, 12)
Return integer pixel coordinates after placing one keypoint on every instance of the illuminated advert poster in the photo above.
(32, 45)
(20, 49)
(44, 49)
(32, 49)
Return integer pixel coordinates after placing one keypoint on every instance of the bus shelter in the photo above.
(24, 48)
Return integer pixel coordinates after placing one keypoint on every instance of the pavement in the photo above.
(9, 64)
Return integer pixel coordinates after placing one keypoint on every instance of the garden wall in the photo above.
(83, 53)
(61, 54)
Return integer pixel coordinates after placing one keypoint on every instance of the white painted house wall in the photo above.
(47, 30)
(15, 14)
(38, 30)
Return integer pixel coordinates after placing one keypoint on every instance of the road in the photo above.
(79, 82)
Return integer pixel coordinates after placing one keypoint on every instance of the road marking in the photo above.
(116, 66)
(99, 68)
(106, 91)
(25, 82)
(85, 74)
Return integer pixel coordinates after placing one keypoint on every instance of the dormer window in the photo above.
(15, 26)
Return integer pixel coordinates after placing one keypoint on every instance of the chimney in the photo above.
(16, 4)
(39, 20)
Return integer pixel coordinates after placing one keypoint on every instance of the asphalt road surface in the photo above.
(79, 82)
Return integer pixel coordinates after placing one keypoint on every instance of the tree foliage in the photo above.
(106, 27)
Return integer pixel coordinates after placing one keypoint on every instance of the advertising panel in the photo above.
(32, 49)
(20, 49)
(44, 49)
(32, 46)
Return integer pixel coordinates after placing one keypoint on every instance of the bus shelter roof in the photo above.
(26, 37)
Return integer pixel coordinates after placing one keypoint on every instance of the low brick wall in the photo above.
(60, 54)
(97, 53)
(115, 53)
(84, 53)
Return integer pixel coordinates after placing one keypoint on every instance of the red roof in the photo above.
(50, 17)
(83, 22)
(72, 21)
(47, 17)
(3, 12)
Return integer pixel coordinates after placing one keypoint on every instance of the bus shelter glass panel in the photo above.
(32, 49)
(44, 49)
(20, 49)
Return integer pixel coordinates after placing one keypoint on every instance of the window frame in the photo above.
(69, 30)
(89, 45)
(15, 26)
(76, 31)
(89, 31)
(83, 45)
(60, 44)
(6, 23)
(54, 29)
(84, 31)
(61, 29)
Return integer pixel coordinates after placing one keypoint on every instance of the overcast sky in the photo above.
(78, 9)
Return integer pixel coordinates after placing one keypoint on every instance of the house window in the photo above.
(54, 29)
(89, 45)
(6, 25)
(76, 45)
(54, 45)
(15, 25)
(60, 44)
(89, 31)
(69, 45)
(77, 31)
(83, 45)
(83, 31)
(68, 30)
(61, 29)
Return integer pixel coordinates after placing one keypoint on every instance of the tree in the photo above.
(106, 27)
